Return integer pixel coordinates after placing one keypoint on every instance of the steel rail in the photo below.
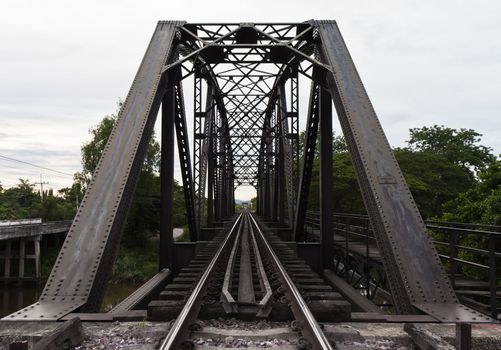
(228, 302)
(311, 329)
(263, 279)
(192, 307)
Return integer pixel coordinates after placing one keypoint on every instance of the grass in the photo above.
(47, 260)
(135, 265)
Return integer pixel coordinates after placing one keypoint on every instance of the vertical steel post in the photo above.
(224, 197)
(232, 188)
(198, 120)
(326, 232)
(308, 157)
(258, 199)
(453, 254)
(229, 187)
(493, 276)
(282, 117)
(185, 162)
(276, 190)
(276, 170)
(269, 174)
(211, 179)
(281, 183)
(293, 135)
(166, 178)
(217, 169)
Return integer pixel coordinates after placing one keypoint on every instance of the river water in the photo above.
(15, 296)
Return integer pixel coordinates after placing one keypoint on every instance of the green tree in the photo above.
(458, 146)
(143, 218)
(338, 144)
(144, 214)
(481, 203)
(92, 150)
(179, 208)
(24, 202)
(346, 193)
(19, 202)
(254, 203)
(432, 179)
(73, 195)
(53, 208)
(434, 176)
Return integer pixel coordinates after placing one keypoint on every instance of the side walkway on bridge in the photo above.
(472, 264)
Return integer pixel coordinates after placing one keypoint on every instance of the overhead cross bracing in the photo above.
(246, 63)
(246, 132)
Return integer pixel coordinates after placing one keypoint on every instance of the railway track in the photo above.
(248, 274)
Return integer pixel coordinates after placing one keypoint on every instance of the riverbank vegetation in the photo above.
(450, 174)
(138, 256)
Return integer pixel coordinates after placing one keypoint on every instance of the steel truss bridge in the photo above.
(246, 132)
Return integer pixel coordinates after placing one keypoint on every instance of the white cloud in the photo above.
(64, 64)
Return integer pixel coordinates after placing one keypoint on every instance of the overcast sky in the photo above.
(65, 64)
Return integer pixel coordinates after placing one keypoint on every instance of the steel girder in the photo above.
(166, 176)
(199, 118)
(415, 272)
(80, 274)
(203, 121)
(287, 154)
(326, 193)
(211, 168)
(266, 155)
(308, 157)
(185, 162)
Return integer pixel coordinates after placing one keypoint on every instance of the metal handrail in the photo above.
(465, 262)
(192, 306)
(495, 228)
(357, 227)
(463, 230)
(479, 251)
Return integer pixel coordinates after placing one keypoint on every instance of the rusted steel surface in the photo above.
(84, 263)
(400, 231)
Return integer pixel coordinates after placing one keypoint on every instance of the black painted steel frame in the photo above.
(247, 134)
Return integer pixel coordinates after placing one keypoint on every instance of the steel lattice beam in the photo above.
(308, 157)
(185, 162)
(287, 153)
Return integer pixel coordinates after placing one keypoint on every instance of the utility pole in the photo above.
(41, 183)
